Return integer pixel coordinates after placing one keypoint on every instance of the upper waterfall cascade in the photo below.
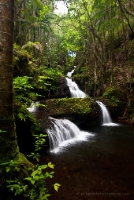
(73, 87)
(69, 74)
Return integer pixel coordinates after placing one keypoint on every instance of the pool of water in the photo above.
(102, 167)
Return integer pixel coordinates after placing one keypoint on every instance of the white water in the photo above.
(33, 107)
(106, 118)
(73, 87)
(69, 74)
(63, 132)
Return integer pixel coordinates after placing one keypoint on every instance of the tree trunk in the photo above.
(8, 141)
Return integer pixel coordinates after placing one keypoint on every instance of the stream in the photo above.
(99, 168)
(96, 164)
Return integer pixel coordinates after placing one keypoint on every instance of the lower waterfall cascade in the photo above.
(64, 132)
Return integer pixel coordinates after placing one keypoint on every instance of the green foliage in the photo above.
(43, 83)
(34, 17)
(33, 186)
(21, 52)
(45, 10)
(30, 45)
(39, 143)
(22, 113)
(48, 78)
(56, 186)
(91, 29)
(111, 93)
(52, 73)
(24, 89)
(28, 89)
(16, 187)
(22, 83)
(16, 46)
(11, 166)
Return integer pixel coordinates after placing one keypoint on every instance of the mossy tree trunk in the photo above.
(8, 141)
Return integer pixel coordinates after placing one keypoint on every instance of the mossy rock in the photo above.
(67, 106)
(116, 100)
(81, 111)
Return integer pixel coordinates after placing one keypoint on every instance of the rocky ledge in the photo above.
(84, 112)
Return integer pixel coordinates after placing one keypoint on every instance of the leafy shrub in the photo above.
(33, 186)
(27, 89)
(112, 94)
(24, 89)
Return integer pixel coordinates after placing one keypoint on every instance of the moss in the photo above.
(81, 111)
(115, 95)
(8, 142)
(23, 63)
(68, 106)
(23, 164)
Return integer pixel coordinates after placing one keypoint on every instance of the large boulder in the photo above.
(84, 112)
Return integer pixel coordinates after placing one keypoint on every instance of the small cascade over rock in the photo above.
(63, 132)
(73, 87)
(106, 118)
(33, 107)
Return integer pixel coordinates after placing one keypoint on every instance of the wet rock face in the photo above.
(63, 89)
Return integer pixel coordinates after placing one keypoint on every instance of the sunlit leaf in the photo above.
(56, 186)
(50, 165)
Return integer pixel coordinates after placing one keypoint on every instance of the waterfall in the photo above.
(73, 87)
(106, 118)
(63, 132)
(69, 74)
(33, 107)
